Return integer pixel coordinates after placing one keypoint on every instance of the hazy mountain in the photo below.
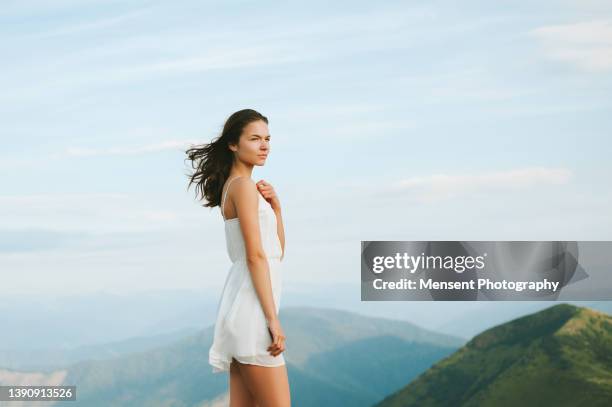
(48, 359)
(334, 358)
(95, 319)
(99, 318)
(560, 356)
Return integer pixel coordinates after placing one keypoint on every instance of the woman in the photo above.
(248, 338)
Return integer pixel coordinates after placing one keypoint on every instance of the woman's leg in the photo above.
(268, 385)
(239, 393)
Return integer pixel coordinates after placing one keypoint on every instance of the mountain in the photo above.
(55, 358)
(333, 358)
(359, 358)
(46, 322)
(560, 356)
(491, 313)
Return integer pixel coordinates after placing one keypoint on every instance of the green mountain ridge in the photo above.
(559, 356)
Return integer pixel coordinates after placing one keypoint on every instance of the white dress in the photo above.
(240, 329)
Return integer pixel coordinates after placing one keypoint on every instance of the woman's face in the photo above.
(254, 143)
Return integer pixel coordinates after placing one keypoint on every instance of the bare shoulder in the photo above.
(244, 184)
(245, 190)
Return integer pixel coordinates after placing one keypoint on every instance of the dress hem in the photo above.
(220, 364)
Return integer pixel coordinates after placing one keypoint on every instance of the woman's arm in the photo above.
(269, 194)
(280, 230)
(247, 206)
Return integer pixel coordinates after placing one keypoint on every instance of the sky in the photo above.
(389, 121)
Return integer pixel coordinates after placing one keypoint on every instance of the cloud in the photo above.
(91, 213)
(18, 7)
(35, 161)
(587, 45)
(444, 186)
(172, 145)
(99, 23)
(239, 43)
(34, 239)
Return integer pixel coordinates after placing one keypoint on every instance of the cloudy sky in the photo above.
(389, 121)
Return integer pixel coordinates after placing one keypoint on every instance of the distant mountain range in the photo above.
(333, 357)
(68, 329)
(561, 356)
(57, 358)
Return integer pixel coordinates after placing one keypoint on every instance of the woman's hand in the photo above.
(278, 337)
(267, 191)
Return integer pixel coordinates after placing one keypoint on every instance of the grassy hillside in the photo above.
(560, 356)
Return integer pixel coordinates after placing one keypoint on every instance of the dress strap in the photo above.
(225, 196)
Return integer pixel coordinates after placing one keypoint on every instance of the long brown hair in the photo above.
(212, 162)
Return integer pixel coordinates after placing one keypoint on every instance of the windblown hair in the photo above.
(212, 162)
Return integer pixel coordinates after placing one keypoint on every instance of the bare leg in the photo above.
(240, 396)
(268, 385)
